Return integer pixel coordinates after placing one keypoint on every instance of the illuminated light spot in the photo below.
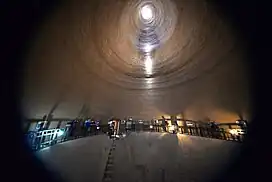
(148, 65)
(146, 12)
(148, 48)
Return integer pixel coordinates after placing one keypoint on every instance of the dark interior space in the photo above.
(72, 59)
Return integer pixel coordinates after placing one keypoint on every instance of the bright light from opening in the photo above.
(146, 12)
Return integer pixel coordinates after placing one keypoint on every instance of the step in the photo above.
(107, 179)
(108, 164)
(110, 161)
(110, 156)
(108, 172)
(109, 167)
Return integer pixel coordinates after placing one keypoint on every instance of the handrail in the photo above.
(41, 139)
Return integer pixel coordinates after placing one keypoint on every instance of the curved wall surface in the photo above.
(85, 56)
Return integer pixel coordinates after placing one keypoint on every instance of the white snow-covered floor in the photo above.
(141, 157)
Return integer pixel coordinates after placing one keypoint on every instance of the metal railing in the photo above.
(218, 133)
(45, 138)
(41, 139)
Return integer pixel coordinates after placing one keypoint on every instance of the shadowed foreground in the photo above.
(140, 157)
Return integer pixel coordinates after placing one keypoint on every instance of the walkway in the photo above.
(144, 156)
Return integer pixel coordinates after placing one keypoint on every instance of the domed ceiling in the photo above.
(142, 59)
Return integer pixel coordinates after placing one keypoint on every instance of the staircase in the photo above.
(108, 172)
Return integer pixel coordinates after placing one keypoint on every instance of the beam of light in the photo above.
(148, 48)
(148, 65)
(146, 12)
(149, 82)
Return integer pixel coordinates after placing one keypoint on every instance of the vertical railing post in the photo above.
(185, 127)
(200, 131)
(196, 129)
(233, 137)
(238, 138)
(224, 133)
